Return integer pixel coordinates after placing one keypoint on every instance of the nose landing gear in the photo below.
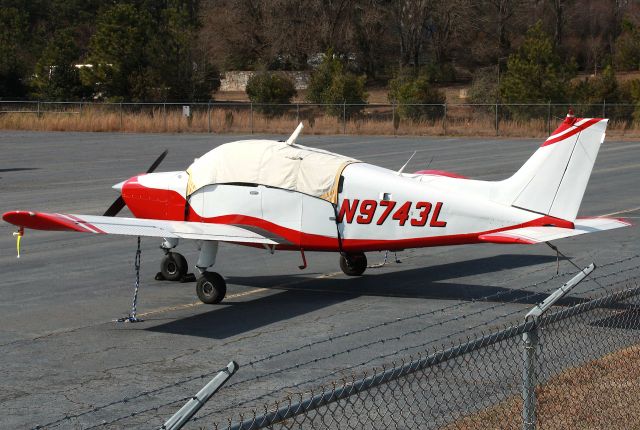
(173, 266)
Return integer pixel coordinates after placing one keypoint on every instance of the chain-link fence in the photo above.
(578, 367)
(579, 363)
(535, 120)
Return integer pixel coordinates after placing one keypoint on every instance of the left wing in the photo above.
(531, 235)
(136, 227)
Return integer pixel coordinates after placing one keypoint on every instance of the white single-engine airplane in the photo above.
(284, 196)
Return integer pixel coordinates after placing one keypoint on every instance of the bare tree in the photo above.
(410, 19)
(371, 28)
(448, 19)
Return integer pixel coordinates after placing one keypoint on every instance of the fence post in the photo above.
(180, 418)
(209, 116)
(344, 117)
(393, 119)
(120, 116)
(444, 119)
(497, 121)
(549, 118)
(530, 340)
(164, 114)
(38, 109)
(604, 108)
(297, 113)
(251, 117)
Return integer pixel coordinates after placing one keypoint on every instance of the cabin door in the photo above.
(282, 211)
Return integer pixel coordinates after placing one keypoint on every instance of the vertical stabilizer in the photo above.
(552, 182)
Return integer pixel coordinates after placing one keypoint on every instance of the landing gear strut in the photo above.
(353, 264)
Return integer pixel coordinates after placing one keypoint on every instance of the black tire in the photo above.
(173, 266)
(354, 265)
(211, 288)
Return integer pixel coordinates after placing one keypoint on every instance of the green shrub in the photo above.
(484, 86)
(409, 93)
(627, 48)
(331, 84)
(590, 94)
(267, 89)
(535, 74)
(630, 92)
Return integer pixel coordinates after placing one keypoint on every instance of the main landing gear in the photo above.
(210, 287)
(353, 264)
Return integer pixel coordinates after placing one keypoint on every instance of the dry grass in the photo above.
(376, 121)
(602, 394)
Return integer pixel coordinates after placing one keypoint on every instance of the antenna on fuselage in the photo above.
(292, 139)
(399, 172)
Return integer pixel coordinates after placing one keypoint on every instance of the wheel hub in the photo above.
(172, 268)
(207, 288)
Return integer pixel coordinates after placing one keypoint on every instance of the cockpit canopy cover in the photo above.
(276, 164)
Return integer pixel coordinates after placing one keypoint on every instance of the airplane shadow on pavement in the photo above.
(298, 295)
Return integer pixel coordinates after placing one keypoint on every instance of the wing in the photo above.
(136, 227)
(531, 235)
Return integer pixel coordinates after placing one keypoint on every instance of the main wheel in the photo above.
(354, 265)
(173, 266)
(211, 288)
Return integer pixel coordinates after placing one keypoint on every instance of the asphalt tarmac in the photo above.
(64, 363)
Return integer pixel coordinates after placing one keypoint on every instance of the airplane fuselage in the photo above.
(377, 209)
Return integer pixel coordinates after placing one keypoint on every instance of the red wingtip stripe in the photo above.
(85, 224)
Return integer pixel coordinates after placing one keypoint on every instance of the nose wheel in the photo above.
(211, 288)
(173, 267)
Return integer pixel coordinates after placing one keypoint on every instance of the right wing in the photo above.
(137, 227)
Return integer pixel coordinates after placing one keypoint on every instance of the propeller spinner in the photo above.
(119, 203)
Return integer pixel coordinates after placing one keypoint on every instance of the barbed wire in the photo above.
(332, 339)
(446, 337)
(384, 367)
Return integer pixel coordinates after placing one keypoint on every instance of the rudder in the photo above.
(553, 181)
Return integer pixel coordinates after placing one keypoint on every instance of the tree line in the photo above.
(175, 50)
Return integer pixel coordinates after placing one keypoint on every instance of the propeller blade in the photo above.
(115, 207)
(156, 163)
(119, 203)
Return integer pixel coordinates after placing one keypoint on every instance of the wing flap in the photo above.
(531, 235)
(135, 227)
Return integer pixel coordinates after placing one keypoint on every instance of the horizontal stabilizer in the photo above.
(136, 227)
(531, 235)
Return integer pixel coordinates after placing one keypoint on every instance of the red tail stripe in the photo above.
(575, 130)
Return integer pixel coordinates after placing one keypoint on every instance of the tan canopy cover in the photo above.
(276, 164)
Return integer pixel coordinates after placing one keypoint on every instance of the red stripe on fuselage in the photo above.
(151, 203)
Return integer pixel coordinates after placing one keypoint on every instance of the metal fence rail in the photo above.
(582, 353)
(345, 118)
